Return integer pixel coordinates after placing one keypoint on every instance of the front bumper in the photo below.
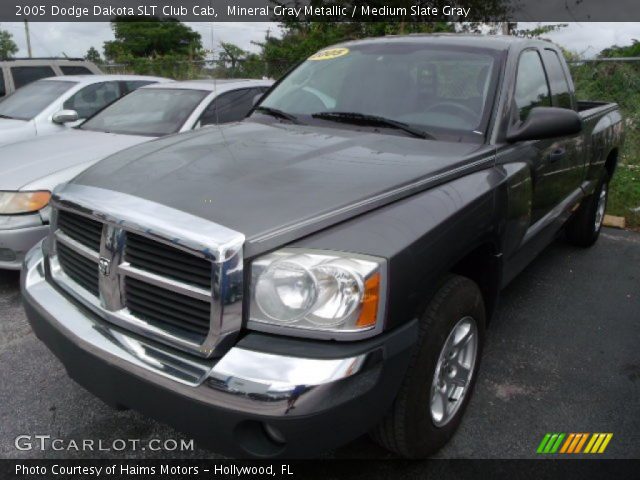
(18, 234)
(313, 395)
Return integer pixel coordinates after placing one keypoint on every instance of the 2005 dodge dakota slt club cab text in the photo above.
(328, 266)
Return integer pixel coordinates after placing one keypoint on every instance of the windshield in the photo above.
(432, 87)
(30, 100)
(150, 112)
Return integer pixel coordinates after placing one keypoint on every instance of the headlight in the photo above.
(307, 292)
(23, 202)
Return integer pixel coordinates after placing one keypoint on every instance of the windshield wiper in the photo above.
(274, 112)
(364, 119)
(6, 116)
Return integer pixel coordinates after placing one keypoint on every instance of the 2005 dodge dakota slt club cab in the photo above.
(328, 266)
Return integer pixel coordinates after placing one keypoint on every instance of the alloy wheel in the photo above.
(454, 371)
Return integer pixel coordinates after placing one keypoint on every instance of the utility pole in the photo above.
(266, 64)
(508, 27)
(26, 31)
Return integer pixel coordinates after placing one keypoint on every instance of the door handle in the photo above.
(557, 154)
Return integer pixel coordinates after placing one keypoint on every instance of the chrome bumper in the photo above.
(267, 382)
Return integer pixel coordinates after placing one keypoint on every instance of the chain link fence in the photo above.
(197, 70)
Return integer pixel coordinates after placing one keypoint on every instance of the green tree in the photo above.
(571, 55)
(152, 38)
(93, 56)
(632, 50)
(235, 62)
(252, 66)
(8, 47)
(230, 55)
(509, 28)
(537, 32)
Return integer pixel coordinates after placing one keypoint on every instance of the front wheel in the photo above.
(584, 226)
(442, 373)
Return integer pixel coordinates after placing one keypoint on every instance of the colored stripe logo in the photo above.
(572, 443)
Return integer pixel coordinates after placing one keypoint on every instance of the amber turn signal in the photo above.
(370, 301)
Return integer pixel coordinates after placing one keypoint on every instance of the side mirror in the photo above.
(257, 98)
(546, 122)
(65, 116)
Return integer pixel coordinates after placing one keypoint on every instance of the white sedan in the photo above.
(51, 105)
(29, 170)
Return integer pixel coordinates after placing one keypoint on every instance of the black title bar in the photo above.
(366, 469)
(318, 10)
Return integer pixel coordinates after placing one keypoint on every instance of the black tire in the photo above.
(408, 429)
(582, 229)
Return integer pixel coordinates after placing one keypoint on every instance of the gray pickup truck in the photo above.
(328, 266)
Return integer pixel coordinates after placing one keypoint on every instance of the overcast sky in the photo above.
(74, 39)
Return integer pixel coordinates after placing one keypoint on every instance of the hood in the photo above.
(15, 130)
(35, 163)
(281, 181)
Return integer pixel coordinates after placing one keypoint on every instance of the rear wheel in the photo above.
(442, 373)
(584, 227)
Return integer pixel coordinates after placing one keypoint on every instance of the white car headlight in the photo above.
(13, 203)
(310, 291)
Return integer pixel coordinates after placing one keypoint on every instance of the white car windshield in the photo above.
(28, 101)
(150, 112)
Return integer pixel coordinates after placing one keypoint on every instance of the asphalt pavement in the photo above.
(562, 355)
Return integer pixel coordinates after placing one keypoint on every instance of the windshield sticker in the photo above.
(329, 54)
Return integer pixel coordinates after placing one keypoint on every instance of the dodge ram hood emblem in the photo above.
(104, 265)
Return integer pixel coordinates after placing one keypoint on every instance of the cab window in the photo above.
(25, 75)
(560, 91)
(3, 90)
(532, 89)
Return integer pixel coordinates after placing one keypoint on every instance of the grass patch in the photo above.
(625, 195)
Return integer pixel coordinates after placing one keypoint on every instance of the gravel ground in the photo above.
(562, 355)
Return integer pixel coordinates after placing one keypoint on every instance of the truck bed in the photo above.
(585, 105)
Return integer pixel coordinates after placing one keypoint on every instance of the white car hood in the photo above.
(15, 130)
(44, 162)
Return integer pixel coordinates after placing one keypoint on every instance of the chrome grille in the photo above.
(80, 269)
(162, 259)
(82, 229)
(145, 267)
(165, 308)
